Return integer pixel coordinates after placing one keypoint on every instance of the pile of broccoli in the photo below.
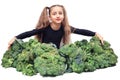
(32, 57)
(87, 56)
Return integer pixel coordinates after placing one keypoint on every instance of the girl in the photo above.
(53, 27)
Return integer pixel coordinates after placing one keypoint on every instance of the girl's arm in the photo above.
(100, 37)
(29, 33)
(24, 35)
(11, 42)
(86, 33)
(82, 32)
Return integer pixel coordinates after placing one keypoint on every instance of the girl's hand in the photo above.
(100, 37)
(11, 42)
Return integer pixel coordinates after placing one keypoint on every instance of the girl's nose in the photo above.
(57, 15)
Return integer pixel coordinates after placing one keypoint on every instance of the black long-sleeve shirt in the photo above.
(53, 36)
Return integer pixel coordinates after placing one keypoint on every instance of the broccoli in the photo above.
(32, 57)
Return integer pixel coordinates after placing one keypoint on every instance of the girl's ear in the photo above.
(49, 19)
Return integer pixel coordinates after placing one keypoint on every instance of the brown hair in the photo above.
(44, 22)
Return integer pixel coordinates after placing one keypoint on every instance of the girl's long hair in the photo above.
(44, 22)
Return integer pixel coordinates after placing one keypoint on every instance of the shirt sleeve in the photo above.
(29, 33)
(82, 31)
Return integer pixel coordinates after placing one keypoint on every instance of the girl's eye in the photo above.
(60, 13)
(54, 13)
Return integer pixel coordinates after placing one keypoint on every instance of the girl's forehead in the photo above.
(56, 8)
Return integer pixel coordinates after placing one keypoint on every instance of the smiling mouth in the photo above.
(58, 19)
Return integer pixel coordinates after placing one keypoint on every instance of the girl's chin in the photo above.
(58, 22)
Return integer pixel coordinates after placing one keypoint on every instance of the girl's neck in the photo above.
(55, 26)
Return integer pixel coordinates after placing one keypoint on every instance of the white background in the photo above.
(102, 16)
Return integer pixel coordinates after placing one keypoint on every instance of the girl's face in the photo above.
(56, 14)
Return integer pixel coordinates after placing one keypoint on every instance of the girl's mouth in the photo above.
(58, 19)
